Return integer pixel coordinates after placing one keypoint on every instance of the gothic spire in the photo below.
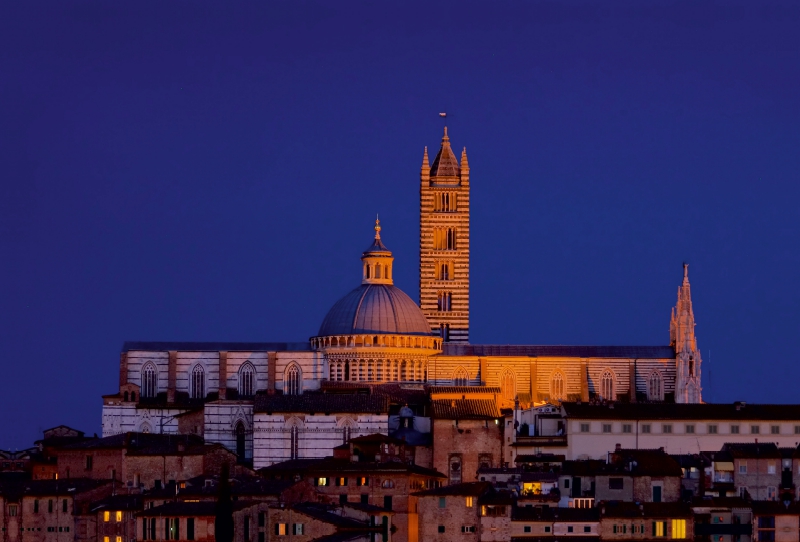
(445, 163)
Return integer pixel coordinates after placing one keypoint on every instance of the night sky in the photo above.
(209, 172)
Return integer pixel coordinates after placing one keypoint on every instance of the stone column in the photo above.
(272, 360)
(172, 368)
(584, 381)
(123, 368)
(223, 375)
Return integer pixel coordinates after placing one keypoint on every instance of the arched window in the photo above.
(557, 386)
(240, 439)
(461, 377)
(294, 425)
(292, 381)
(247, 380)
(149, 380)
(508, 385)
(607, 385)
(444, 301)
(655, 390)
(144, 428)
(125, 397)
(198, 387)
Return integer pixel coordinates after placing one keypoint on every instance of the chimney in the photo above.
(618, 447)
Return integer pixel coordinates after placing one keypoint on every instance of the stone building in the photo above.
(376, 334)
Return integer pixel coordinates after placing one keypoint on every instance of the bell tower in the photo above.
(444, 243)
(683, 340)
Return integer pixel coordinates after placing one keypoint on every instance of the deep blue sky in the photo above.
(186, 171)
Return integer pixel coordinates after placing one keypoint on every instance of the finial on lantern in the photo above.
(377, 227)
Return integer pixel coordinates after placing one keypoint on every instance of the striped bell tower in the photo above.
(444, 243)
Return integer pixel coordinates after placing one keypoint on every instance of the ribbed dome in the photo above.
(375, 308)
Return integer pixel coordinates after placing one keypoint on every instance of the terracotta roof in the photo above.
(465, 409)
(462, 389)
(328, 465)
(325, 513)
(618, 509)
(538, 513)
(671, 411)
(752, 450)
(642, 463)
(559, 350)
(467, 489)
(182, 508)
(539, 458)
(314, 402)
(156, 346)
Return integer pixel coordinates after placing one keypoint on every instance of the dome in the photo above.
(375, 309)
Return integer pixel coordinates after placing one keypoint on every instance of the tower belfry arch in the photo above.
(444, 243)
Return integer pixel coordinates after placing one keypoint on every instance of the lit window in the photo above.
(468, 502)
(660, 528)
(106, 516)
(281, 529)
(119, 516)
(678, 528)
(771, 468)
(322, 481)
(297, 528)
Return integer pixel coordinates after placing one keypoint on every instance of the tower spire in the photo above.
(684, 341)
(377, 228)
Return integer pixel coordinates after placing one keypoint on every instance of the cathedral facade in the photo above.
(274, 401)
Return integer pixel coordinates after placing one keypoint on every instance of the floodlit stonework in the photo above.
(377, 335)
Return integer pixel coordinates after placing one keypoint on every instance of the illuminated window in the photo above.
(106, 516)
(198, 382)
(363, 481)
(106, 539)
(322, 481)
(149, 381)
(468, 502)
(659, 528)
(678, 528)
(247, 380)
(119, 539)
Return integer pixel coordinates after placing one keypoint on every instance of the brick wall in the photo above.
(469, 440)
(452, 517)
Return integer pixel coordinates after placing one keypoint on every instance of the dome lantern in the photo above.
(377, 261)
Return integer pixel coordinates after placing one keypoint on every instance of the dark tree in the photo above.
(223, 526)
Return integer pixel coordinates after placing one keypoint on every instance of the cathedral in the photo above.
(272, 401)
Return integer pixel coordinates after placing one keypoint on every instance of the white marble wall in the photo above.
(220, 419)
(122, 418)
